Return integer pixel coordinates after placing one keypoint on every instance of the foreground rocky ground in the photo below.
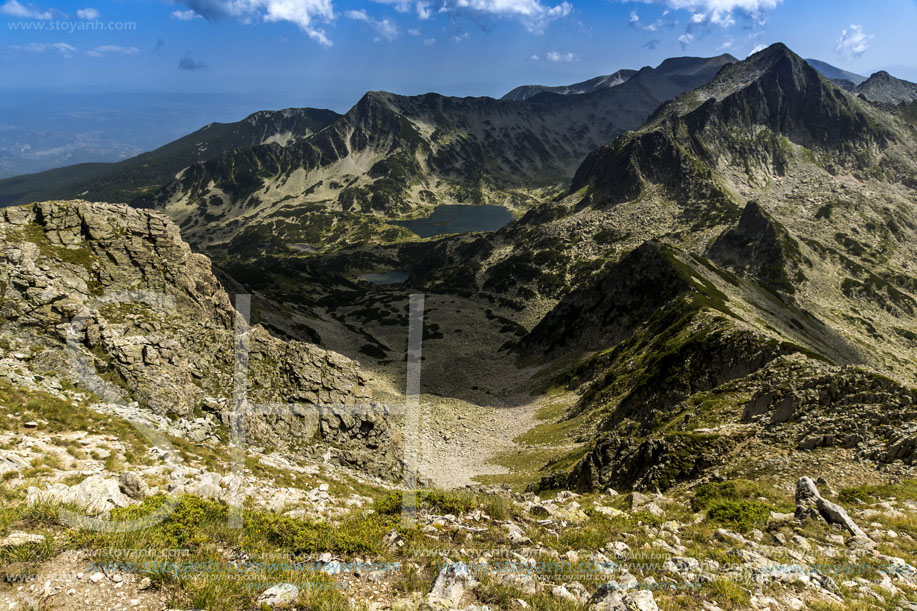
(313, 535)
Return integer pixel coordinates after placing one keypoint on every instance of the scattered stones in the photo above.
(393, 541)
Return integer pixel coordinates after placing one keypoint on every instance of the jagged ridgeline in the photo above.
(133, 178)
(63, 266)
(394, 155)
(315, 178)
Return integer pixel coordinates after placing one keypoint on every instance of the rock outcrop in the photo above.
(144, 319)
(809, 502)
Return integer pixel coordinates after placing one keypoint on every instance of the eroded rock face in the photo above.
(147, 321)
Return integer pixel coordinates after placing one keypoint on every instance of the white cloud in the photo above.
(430, 41)
(25, 11)
(757, 49)
(461, 37)
(402, 6)
(414, 32)
(534, 58)
(89, 14)
(385, 29)
(720, 12)
(423, 10)
(185, 15)
(54, 47)
(853, 42)
(686, 39)
(534, 15)
(112, 49)
(554, 56)
(659, 24)
(405, 6)
(304, 13)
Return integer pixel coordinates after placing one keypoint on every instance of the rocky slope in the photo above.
(317, 537)
(144, 320)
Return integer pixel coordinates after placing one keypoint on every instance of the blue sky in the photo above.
(326, 53)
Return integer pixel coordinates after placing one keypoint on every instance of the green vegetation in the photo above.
(448, 502)
(906, 490)
(733, 504)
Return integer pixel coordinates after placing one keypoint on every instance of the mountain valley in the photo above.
(706, 296)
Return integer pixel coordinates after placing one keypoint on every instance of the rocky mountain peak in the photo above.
(748, 117)
(883, 88)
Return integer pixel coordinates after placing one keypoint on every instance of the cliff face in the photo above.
(151, 324)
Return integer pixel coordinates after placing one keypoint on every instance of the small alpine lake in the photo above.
(396, 276)
(458, 218)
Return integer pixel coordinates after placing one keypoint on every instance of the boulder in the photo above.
(131, 485)
(95, 494)
(610, 597)
(519, 581)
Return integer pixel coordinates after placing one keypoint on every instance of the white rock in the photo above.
(453, 581)
(94, 494)
(563, 594)
(20, 538)
(611, 512)
(281, 595)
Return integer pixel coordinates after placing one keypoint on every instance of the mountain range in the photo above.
(770, 198)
